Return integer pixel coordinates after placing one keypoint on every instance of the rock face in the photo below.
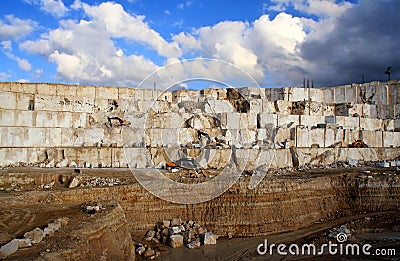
(109, 230)
(288, 203)
(260, 118)
(316, 198)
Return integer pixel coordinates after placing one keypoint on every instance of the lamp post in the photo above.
(388, 72)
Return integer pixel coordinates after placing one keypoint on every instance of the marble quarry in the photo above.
(56, 125)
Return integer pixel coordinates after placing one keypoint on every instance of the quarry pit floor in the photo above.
(27, 202)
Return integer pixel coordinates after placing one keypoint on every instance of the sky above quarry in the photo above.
(277, 42)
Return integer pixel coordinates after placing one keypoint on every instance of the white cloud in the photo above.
(37, 73)
(41, 46)
(283, 33)
(282, 49)
(181, 6)
(262, 45)
(53, 7)
(23, 64)
(187, 41)
(167, 12)
(239, 56)
(77, 4)
(85, 52)
(4, 76)
(327, 8)
(13, 28)
(178, 23)
(321, 8)
(6, 47)
(265, 7)
(114, 20)
(23, 80)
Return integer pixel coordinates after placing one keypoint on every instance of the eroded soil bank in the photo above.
(280, 204)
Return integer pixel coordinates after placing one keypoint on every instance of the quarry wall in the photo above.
(91, 126)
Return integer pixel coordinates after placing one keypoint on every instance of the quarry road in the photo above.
(245, 248)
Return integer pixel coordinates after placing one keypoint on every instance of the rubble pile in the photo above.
(32, 237)
(13, 187)
(92, 208)
(100, 182)
(93, 182)
(176, 233)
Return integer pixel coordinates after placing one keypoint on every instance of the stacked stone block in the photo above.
(74, 120)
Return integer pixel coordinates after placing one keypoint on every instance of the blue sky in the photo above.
(277, 42)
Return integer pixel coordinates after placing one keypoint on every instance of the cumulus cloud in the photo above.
(338, 48)
(321, 8)
(77, 4)
(363, 42)
(266, 45)
(13, 28)
(187, 41)
(85, 53)
(275, 50)
(118, 23)
(53, 7)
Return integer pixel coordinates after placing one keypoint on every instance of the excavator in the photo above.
(358, 144)
(120, 121)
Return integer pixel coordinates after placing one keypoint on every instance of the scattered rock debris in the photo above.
(175, 233)
(343, 229)
(93, 182)
(91, 208)
(34, 236)
(100, 182)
